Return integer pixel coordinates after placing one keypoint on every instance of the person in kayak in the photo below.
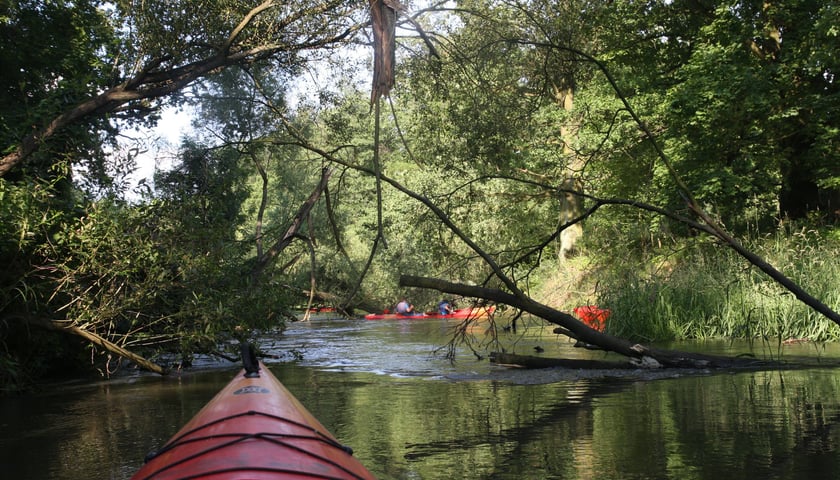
(405, 308)
(445, 307)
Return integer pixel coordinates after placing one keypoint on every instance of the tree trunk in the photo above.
(527, 361)
(570, 205)
(639, 354)
(383, 19)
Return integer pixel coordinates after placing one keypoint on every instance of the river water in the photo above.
(409, 413)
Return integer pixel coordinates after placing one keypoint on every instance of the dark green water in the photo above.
(411, 415)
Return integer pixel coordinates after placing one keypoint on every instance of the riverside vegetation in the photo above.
(697, 291)
(495, 134)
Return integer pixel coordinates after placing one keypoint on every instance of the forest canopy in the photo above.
(575, 150)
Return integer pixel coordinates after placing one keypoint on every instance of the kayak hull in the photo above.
(461, 313)
(593, 316)
(253, 428)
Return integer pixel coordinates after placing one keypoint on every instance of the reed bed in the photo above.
(705, 291)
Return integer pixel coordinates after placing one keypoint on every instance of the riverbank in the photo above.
(693, 289)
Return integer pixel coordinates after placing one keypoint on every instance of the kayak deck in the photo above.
(253, 428)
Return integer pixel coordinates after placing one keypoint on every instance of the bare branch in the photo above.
(294, 228)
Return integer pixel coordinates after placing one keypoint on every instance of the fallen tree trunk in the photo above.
(66, 326)
(335, 300)
(529, 361)
(641, 355)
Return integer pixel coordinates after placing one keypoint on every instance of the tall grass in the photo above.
(707, 291)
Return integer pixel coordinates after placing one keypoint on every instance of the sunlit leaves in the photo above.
(53, 55)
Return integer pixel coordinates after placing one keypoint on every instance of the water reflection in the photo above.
(409, 414)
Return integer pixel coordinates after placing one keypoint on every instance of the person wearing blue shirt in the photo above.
(445, 307)
(405, 308)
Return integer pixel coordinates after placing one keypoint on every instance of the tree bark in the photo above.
(383, 19)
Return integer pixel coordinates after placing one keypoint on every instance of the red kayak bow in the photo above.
(253, 428)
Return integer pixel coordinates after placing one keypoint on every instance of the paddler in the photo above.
(405, 308)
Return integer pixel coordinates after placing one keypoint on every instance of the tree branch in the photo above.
(152, 84)
(73, 329)
(294, 228)
(578, 329)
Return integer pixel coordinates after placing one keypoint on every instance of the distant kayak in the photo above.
(593, 316)
(470, 312)
(322, 310)
(256, 429)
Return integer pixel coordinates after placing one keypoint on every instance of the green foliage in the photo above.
(488, 131)
(202, 209)
(53, 56)
(740, 95)
(167, 275)
(701, 292)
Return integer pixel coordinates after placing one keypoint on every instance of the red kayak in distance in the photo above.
(322, 310)
(256, 429)
(593, 316)
(470, 312)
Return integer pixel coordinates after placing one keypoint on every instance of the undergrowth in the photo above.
(699, 290)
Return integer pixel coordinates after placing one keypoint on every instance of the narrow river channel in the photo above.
(409, 413)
